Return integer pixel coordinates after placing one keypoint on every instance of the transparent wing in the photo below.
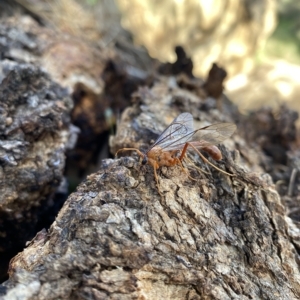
(214, 134)
(178, 132)
(205, 136)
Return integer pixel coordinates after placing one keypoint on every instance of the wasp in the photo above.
(171, 146)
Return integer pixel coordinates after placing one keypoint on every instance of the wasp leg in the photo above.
(206, 160)
(183, 151)
(183, 155)
(186, 171)
(155, 166)
(197, 168)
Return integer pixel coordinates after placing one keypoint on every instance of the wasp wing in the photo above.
(205, 136)
(178, 132)
(214, 134)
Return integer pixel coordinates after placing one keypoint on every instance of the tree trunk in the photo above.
(199, 234)
(215, 237)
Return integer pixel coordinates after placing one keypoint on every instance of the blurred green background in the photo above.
(285, 41)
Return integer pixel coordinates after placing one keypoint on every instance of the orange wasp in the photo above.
(171, 146)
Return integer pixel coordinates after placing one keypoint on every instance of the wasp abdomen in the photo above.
(213, 151)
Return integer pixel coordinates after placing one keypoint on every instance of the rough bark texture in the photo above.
(116, 237)
(216, 237)
(36, 115)
(34, 130)
(99, 79)
(35, 133)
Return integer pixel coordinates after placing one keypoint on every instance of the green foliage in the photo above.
(285, 41)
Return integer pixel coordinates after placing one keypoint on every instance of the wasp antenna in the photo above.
(130, 149)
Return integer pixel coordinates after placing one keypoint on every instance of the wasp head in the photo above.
(145, 160)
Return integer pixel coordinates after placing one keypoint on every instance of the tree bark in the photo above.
(41, 70)
(206, 236)
(215, 237)
(35, 132)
